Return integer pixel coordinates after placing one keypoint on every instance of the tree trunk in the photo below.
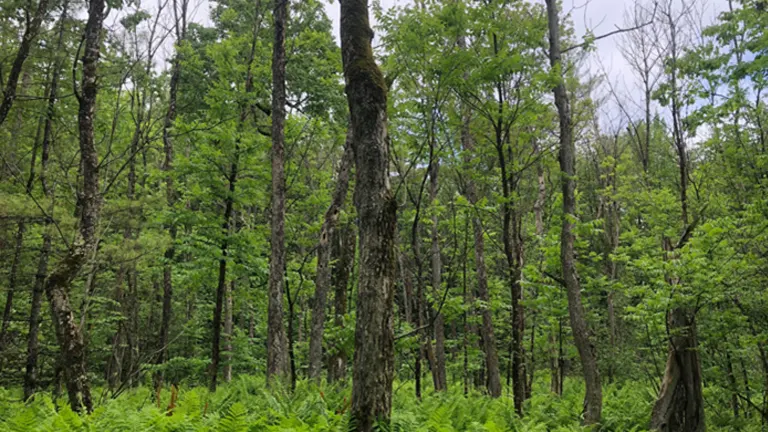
(593, 399)
(180, 27)
(323, 274)
(228, 328)
(277, 342)
(27, 39)
(680, 406)
(441, 380)
(377, 211)
(513, 253)
(68, 334)
(13, 275)
(343, 253)
(33, 345)
(222, 281)
(12, 278)
(488, 339)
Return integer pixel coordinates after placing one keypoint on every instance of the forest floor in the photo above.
(246, 405)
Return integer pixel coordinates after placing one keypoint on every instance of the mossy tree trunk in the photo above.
(366, 90)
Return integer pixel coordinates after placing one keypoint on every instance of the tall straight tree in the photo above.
(68, 333)
(593, 400)
(488, 339)
(180, 28)
(277, 341)
(366, 89)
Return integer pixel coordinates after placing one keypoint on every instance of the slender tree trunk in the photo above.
(222, 281)
(228, 329)
(180, 27)
(323, 274)
(33, 344)
(488, 339)
(441, 380)
(343, 253)
(377, 211)
(277, 342)
(21, 227)
(12, 280)
(594, 396)
(27, 39)
(513, 253)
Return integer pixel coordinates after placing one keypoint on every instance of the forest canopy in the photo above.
(463, 221)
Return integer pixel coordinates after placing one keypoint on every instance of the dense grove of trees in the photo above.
(463, 205)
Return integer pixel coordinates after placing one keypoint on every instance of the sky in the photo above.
(598, 17)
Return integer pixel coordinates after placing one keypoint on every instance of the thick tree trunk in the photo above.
(27, 39)
(343, 253)
(377, 211)
(680, 406)
(593, 399)
(323, 274)
(277, 342)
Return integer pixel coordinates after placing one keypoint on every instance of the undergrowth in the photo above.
(246, 405)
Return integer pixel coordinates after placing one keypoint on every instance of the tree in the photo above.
(377, 211)
(68, 333)
(277, 343)
(593, 399)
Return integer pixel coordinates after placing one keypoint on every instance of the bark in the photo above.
(581, 335)
(33, 345)
(222, 280)
(680, 405)
(12, 280)
(441, 381)
(343, 253)
(366, 90)
(27, 39)
(323, 274)
(277, 342)
(68, 334)
(228, 328)
(180, 26)
(513, 252)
